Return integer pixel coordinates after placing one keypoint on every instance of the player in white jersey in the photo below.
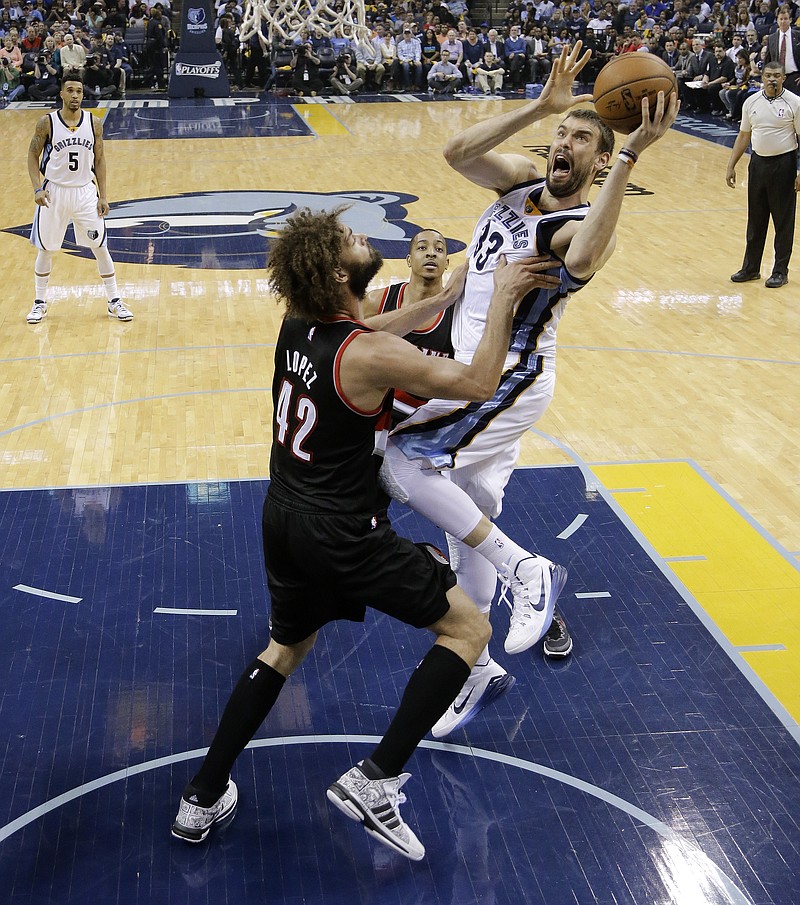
(67, 168)
(478, 444)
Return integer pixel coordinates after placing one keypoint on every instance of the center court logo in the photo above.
(232, 230)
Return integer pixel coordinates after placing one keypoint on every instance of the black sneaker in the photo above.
(557, 641)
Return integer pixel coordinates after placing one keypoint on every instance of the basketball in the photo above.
(622, 84)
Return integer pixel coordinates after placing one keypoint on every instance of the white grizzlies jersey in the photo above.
(450, 434)
(514, 226)
(68, 157)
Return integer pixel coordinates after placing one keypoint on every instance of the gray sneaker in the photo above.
(557, 641)
(193, 822)
(38, 311)
(116, 308)
(375, 803)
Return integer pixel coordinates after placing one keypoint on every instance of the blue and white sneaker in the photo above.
(535, 585)
(485, 683)
(193, 823)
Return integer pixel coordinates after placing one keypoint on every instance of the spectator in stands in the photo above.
(543, 11)
(227, 41)
(538, 56)
(369, 65)
(122, 57)
(698, 62)
(98, 80)
(783, 46)
(429, 52)
(472, 51)
(138, 15)
(11, 52)
(117, 19)
(73, 54)
(670, 55)
(409, 61)
(489, 75)
(13, 90)
(58, 14)
(764, 20)
(96, 18)
(345, 80)
(156, 49)
(719, 70)
(305, 67)
(46, 75)
(494, 44)
(734, 93)
(444, 77)
(454, 46)
(388, 50)
(515, 60)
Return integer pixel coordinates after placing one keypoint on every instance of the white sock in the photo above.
(41, 274)
(501, 551)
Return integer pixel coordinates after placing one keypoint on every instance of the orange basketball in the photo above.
(622, 84)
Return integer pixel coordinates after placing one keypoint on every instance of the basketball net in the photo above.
(286, 18)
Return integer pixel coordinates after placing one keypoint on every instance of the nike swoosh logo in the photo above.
(457, 709)
(539, 607)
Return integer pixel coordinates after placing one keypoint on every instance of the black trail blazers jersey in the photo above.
(323, 446)
(432, 340)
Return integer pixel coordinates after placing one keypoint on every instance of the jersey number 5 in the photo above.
(305, 416)
(73, 161)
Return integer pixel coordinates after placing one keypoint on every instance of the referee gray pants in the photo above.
(770, 193)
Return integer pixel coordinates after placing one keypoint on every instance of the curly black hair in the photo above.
(302, 261)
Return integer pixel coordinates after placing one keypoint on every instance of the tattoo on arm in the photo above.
(40, 136)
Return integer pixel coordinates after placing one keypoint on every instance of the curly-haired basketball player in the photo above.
(329, 549)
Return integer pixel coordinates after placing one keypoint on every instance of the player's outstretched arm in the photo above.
(374, 362)
(472, 153)
(410, 317)
(594, 239)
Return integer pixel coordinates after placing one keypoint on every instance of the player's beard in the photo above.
(361, 274)
(577, 179)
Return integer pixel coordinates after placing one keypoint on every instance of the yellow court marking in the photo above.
(739, 578)
(320, 119)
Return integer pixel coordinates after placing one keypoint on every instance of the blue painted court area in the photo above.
(265, 116)
(644, 769)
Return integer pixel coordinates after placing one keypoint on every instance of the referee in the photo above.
(771, 121)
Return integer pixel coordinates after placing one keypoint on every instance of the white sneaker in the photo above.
(485, 683)
(116, 308)
(193, 822)
(375, 802)
(38, 311)
(535, 585)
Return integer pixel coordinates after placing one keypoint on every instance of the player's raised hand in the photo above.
(557, 94)
(654, 128)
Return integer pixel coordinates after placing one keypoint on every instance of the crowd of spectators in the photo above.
(39, 39)
(716, 50)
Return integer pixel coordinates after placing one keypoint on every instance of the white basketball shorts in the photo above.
(76, 204)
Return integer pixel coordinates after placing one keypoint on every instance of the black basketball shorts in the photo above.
(322, 567)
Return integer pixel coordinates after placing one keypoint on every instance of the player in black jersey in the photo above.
(427, 260)
(328, 546)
